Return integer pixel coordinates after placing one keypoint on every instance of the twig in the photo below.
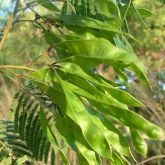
(22, 20)
(14, 80)
(152, 158)
(16, 67)
(137, 12)
(125, 14)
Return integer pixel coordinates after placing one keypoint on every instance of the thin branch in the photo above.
(22, 20)
(150, 159)
(125, 14)
(14, 80)
(16, 67)
(137, 12)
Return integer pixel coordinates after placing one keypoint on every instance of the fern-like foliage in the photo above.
(24, 134)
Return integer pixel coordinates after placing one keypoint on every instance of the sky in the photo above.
(6, 6)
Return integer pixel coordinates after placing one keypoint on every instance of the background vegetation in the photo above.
(25, 45)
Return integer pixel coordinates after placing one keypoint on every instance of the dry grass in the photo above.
(6, 96)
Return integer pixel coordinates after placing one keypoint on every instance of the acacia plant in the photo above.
(67, 105)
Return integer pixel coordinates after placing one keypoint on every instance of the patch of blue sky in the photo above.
(6, 7)
(5, 3)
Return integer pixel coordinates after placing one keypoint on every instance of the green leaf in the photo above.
(73, 135)
(49, 5)
(125, 116)
(132, 120)
(108, 8)
(77, 112)
(144, 12)
(118, 94)
(139, 142)
(100, 51)
(90, 92)
(75, 109)
(86, 22)
(113, 135)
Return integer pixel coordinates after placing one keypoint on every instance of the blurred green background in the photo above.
(25, 45)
